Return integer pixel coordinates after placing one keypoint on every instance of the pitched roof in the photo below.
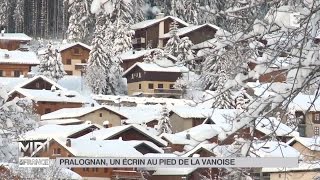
(136, 143)
(133, 54)
(106, 133)
(15, 36)
(147, 23)
(77, 112)
(99, 148)
(192, 112)
(51, 96)
(69, 45)
(310, 143)
(53, 130)
(61, 121)
(152, 67)
(18, 57)
(272, 125)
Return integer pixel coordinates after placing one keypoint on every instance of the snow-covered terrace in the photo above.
(18, 57)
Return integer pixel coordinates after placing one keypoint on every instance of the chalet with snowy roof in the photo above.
(186, 117)
(67, 147)
(197, 33)
(150, 79)
(131, 57)
(96, 114)
(17, 63)
(46, 101)
(148, 32)
(127, 133)
(45, 132)
(39, 82)
(14, 41)
(307, 111)
(74, 57)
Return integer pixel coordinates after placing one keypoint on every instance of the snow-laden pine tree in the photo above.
(51, 63)
(78, 28)
(4, 11)
(19, 16)
(164, 124)
(186, 54)
(223, 97)
(240, 101)
(172, 46)
(148, 57)
(137, 10)
(16, 117)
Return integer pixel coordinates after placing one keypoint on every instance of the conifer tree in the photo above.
(223, 98)
(172, 46)
(164, 124)
(185, 53)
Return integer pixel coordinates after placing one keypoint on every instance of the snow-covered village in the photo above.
(160, 78)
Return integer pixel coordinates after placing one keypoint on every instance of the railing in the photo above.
(167, 91)
(138, 40)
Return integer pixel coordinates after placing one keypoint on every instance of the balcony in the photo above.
(80, 66)
(138, 40)
(167, 92)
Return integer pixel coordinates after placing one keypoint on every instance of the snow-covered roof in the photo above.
(304, 102)
(18, 57)
(272, 149)
(140, 114)
(142, 100)
(76, 112)
(99, 148)
(28, 81)
(152, 67)
(147, 23)
(15, 36)
(69, 45)
(54, 130)
(192, 112)
(133, 54)
(207, 146)
(312, 143)
(222, 116)
(188, 29)
(51, 96)
(273, 126)
(136, 143)
(106, 133)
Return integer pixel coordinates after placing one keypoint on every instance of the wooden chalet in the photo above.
(14, 41)
(148, 33)
(152, 80)
(17, 63)
(196, 33)
(75, 57)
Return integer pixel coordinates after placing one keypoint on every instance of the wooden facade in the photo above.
(149, 36)
(11, 45)
(74, 59)
(39, 83)
(14, 70)
(156, 84)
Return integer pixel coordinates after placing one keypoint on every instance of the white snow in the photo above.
(173, 171)
(133, 54)
(60, 121)
(67, 46)
(152, 67)
(304, 102)
(271, 125)
(53, 130)
(18, 57)
(66, 113)
(106, 133)
(15, 36)
(312, 143)
(272, 149)
(192, 112)
(50, 96)
(303, 166)
(147, 23)
(136, 143)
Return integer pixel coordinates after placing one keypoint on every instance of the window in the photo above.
(83, 61)
(47, 110)
(68, 61)
(37, 85)
(316, 131)
(100, 114)
(150, 86)
(317, 117)
(171, 86)
(17, 73)
(76, 51)
(139, 86)
(160, 86)
(69, 72)
(1, 73)
(57, 151)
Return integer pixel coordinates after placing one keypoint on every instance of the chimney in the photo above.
(2, 31)
(188, 135)
(92, 104)
(160, 15)
(68, 143)
(7, 56)
(93, 138)
(133, 52)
